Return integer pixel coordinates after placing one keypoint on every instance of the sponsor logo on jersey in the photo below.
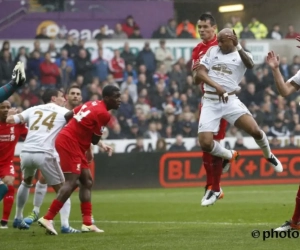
(221, 69)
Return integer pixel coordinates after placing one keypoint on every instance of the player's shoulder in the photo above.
(213, 50)
(196, 49)
(62, 110)
(55, 108)
(198, 46)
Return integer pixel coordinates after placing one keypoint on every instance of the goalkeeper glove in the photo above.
(18, 75)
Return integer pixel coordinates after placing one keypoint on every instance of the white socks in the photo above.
(264, 145)
(220, 151)
(39, 195)
(22, 197)
(65, 213)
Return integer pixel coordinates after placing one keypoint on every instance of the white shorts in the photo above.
(214, 110)
(46, 163)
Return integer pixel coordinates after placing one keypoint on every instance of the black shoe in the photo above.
(275, 163)
(3, 224)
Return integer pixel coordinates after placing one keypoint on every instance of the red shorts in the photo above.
(7, 170)
(72, 158)
(222, 129)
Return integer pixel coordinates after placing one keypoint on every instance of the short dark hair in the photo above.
(109, 90)
(73, 86)
(48, 94)
(205, 17)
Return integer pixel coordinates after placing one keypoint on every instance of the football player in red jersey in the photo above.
(9, 136)
(213, 165)
(72, 143)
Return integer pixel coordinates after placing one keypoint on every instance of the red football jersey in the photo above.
(89, 118)
(200, 50)
(9, 137)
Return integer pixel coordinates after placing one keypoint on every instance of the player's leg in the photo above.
(294, 222)
(50, 169)
(65, 210)
(39, 195)
(63, 195)
(247, 123)
(206, 160)
(217, 162)
(3, 188)
(8, 199)
(86, 183)
(70, 160)
(209, 122)
(28, 169)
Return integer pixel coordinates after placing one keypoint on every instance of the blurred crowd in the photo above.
(159, 99)
(185, 29)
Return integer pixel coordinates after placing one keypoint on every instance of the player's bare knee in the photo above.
(89, 183)
(206, 143)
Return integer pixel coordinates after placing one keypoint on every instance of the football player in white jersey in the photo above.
(285, 89)
(73, 99)
(38, 152)
(222, 69)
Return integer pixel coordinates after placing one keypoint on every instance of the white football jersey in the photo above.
(295, 78)
(225, 69)
(44, 123)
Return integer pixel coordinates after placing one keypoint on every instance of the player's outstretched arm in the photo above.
(284, 88)
(18, 78)
(13, 117)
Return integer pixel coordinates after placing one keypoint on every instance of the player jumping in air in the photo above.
(285, 89)
(73, 99)
(38, 152)
(85, 127)
(9, 137)
(221, 70)
(213, 164)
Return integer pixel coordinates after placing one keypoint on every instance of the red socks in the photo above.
(296, 215)
(217, 166)
(86, 211)
(54, 209)
(8, 201)
(207, 162)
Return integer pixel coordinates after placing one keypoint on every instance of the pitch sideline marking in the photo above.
(181, 222)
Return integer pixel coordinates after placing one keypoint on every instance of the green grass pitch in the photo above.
(168, 219)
